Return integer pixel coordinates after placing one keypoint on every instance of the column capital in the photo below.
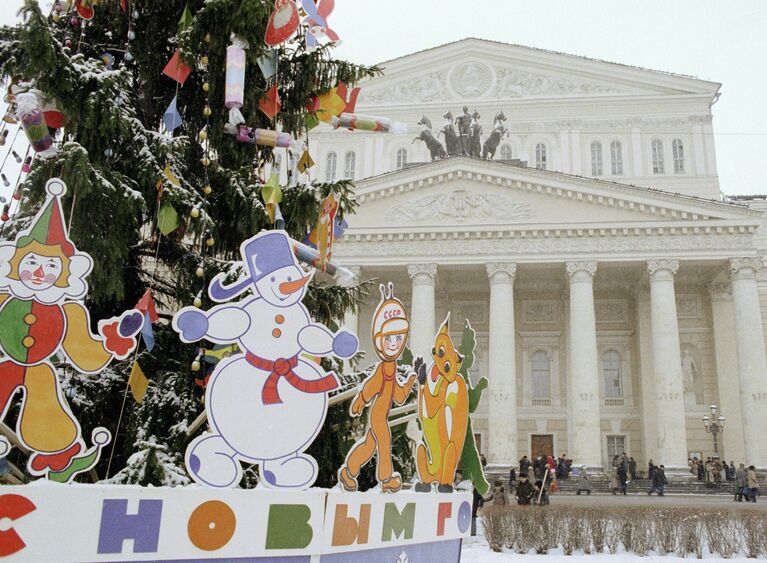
(422, 273)
(745, 268)
(720, 291)
(662, 268)
(577, 271)
(501, 272)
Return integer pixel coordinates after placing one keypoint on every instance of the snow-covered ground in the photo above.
(476, 550)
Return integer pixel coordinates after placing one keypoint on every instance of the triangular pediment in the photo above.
(476, 70)
(462, 194)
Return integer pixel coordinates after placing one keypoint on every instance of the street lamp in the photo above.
(714, 426)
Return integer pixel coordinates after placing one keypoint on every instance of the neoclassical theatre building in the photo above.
(615, 291)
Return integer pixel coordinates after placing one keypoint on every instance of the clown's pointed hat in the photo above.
(49, 228)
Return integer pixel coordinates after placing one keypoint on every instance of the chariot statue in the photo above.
(435, 147)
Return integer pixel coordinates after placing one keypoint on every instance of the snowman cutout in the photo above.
(267, 404)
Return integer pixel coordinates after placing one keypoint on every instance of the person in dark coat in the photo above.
(659, 481)
(622, 478)
(524, 465)
(476, 504)
(525, 491)
(541, 496)
(741, 483)
(632, 469)
(512, 478)
(650, 470)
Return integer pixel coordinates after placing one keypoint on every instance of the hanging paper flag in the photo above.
(272, 195)
(305, 162)
(124, 5)
(186, 19)
(137, 382)
(283, 22)
(176, 69)
(172, 118)
(351, 99)
(170, 176)
(330, 105)
(147, 307)
(270, 104)
(268, 64)
(167, 218)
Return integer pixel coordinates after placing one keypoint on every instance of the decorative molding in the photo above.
(541, 312)
(745, 268)
(474, 311)
(501, 272)
(422, 273)
(611, 310)
(720, 291)
(662, 269)
(515, 83)
(460, 205)
(431, 87)
(689, 306)
(574, 268)
(471, 79)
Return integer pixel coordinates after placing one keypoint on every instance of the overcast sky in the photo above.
(721, 41)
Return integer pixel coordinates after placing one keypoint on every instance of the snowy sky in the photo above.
(714, 40)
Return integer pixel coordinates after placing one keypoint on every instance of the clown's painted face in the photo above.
(393, 344)
(38, 273)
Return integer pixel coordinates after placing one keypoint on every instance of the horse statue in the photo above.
(475, 130)
(499, 130)
(452, 142)
(435, 147)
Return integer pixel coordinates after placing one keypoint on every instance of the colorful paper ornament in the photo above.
(271, 193)
(186, 19)
(268, 64)
(42, 291)
(29, 112)
(84, 9)
(283, 22)
(324, 230)
(171, 176)
(266, 404)
(265, 137)
(317, 20)
(172, 118)
(353, 121)
(390, 329)
(234, 92)
(305, 163)
(108, 60)
(167, 218)
(176, 69)
(148, 309)
(270, 104)
(137, 382)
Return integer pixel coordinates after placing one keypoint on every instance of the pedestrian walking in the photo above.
(512, 478)
(650, 470)
(525, 491)
(632, 469)
(753, 484)
(622, 478)
(614, 483)
(659, 481)
(741, 483)
(583, 482)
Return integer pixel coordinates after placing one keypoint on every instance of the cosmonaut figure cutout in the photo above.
(390, 331)
(443, 409)
(266, 404)
(42, 280)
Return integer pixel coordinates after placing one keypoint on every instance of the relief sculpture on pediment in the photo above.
(514, 83)
(430, 87)
(459, 206)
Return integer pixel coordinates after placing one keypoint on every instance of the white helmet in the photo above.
(389, 318)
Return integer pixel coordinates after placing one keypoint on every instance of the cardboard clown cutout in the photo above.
(390, 331)
(267, 403)
(42, 280)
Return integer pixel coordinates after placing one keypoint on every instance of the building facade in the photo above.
(615, 292)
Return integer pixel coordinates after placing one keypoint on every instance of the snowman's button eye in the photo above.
(290, 278)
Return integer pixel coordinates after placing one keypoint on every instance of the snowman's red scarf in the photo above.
(282, 367)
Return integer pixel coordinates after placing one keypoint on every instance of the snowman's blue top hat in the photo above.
(265, 253)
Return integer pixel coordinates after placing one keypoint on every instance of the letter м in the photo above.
(143, 527)
(398, 522)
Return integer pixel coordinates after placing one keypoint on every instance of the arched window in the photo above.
(658, 166)
(350, 163)
(506, 152)
(616, 158)
(541, 376)
(540, 156)
(596, 158)
(330, 166)
(401, 158)
(677, 147)
(611, 371)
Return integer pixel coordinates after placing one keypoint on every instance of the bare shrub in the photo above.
(574, 532)
(613, 532)
(598, 520)
(711, 527)
(731, 538)
(666, 527)
(496, 526)
(543, 527)
(690, 537)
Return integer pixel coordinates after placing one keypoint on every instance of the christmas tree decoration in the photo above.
(283, 22)
(305, 163)
(108, 60)
(234, 92)
(268, 64)
(4, 137)
(84, 9)
(195, 212)
(323, 234)
(176, 69)
(6, 182)
(443, 411)
(199, 272)
(42, 284)
(270, 104)
(172, 118)
(390, 330)
(265, 137)
(167, 218)
(27, 166)
(284, 414)
(16, 157)
(138, 383)
(317, 21)
(29, 113)
(186, 19)
(171, 176)
(271, 193)
(148, 309)
(353, 121)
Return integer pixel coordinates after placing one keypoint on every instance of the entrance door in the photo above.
(541, 445)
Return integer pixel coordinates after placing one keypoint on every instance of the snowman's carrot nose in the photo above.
(287, 288)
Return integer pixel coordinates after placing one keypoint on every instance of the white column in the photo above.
(422, 329)
(636, 152)
(585, 432)
(646, 375)
(502, 363)
(671, 437)
(575, 147)
(351, 319)
(733, 445)
(752, 366)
